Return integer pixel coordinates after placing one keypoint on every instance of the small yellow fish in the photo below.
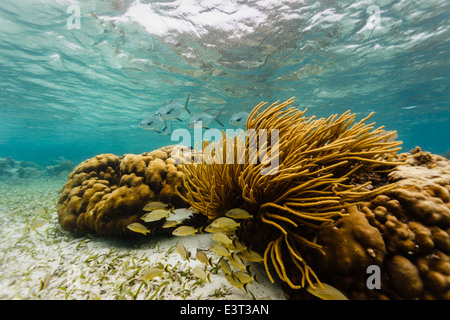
(237, 262)
(184, 253)
(155, 215)
(236, 245)
(209, 228)
(235, 282)
(170, 224)
(222, 238)
(200, 272)
(225, 223)
(220, 250)
(139, 228)
(250, 255)
(202, 257)
(40, 211)
(184, 231)
(150, 273)
(244, 277)
(238, 213)
(224, 266)
(327, 292)
(45, 281)
(38, 223)
(153, 205)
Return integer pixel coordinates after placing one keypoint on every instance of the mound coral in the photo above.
(405, 231)
(324, 169)
(106, 193)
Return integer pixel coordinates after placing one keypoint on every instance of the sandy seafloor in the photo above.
(49, 263)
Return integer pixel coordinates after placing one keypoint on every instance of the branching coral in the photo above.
(320, 162)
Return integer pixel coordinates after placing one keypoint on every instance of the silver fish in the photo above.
(152, 123)
(204, 119)
(166, 128)
(239, 119)
(157, 124)
(172, 110)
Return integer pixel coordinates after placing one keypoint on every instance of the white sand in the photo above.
(98, 267)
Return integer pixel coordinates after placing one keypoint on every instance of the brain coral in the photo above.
(106, 193)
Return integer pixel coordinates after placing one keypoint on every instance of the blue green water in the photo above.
(77, 86)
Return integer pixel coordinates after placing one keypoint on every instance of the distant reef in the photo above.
(15, 169)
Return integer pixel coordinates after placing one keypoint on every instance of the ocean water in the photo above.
(78, 76)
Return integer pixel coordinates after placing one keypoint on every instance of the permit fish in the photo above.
(184, 231)
(204, 119)
(184, 253)
(166, 128)
(326, 293)
(202, 257)
(150, 273)
(238, 213)
(138, 227)
(152, 123)
(225, 223)
(155, 215)
(220, 250)
(153, 205)
(200, 272)
(172, 110)
(239, 119)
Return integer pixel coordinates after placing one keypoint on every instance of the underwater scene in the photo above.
(224, 150)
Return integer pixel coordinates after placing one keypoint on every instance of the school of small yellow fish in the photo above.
(227, 247)
(234, 258)
(40, 261)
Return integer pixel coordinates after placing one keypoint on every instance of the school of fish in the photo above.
(161, 120)
(234, 257)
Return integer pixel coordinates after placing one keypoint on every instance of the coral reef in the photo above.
(18, 169)
(62, 167)
(106, 193)
(324, 165)
(28, 169)
(405, 231)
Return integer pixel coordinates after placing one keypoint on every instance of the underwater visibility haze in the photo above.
(77, 77)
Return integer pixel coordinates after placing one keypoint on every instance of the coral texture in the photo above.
(405, 231)
(106, 193)
(320, 164)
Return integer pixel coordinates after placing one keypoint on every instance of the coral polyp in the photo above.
(323, 167)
